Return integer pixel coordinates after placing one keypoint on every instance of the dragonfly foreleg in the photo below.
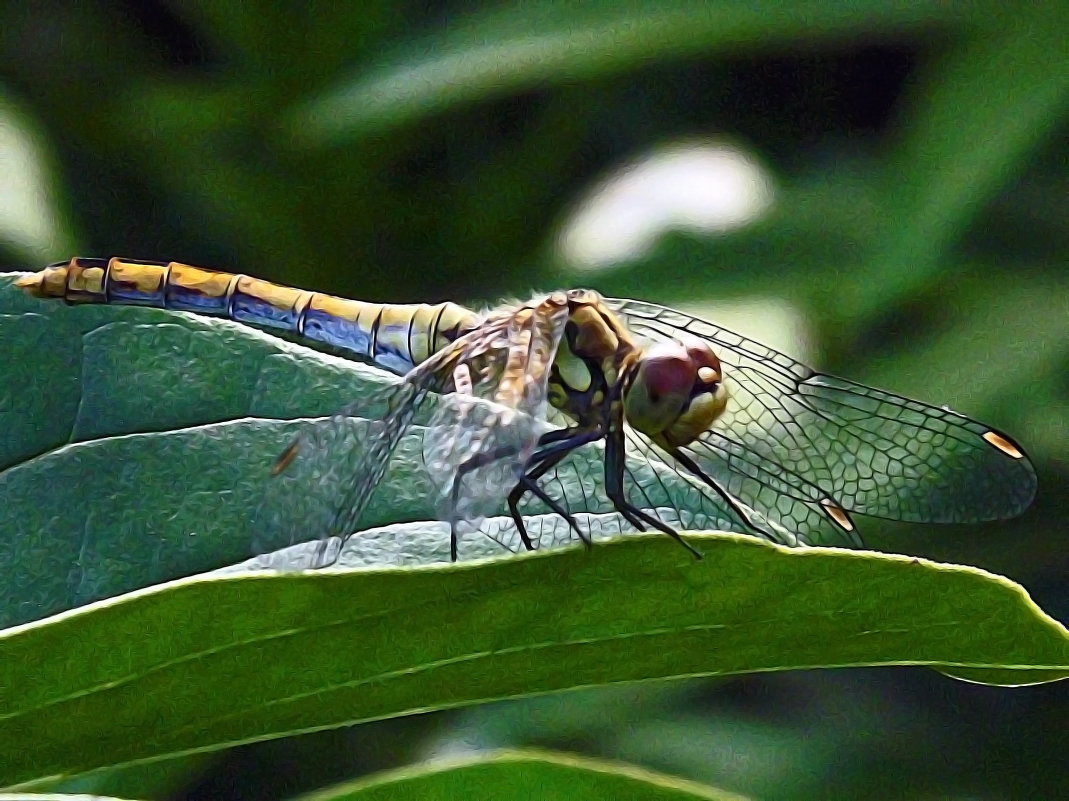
(744, 516)
(614, 489)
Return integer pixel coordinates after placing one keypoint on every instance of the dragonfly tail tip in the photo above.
(31, 283)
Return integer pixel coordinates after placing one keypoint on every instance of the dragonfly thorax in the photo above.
(672, 391)
(591, 359)
(675, 391)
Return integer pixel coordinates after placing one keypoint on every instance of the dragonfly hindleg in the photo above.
(529, 483)
(506, 451)
(553, 446)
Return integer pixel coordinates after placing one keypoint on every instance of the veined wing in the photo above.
(795, 441)
(323, 480)
(482, 436)
(498, 374)
(655, 485)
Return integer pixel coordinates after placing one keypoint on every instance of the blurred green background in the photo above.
(878, 188)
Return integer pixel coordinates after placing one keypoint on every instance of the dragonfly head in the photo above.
(676, 392)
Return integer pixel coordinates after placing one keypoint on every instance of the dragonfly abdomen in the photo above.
(394, 336)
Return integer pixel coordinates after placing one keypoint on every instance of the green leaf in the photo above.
(495, 52)
(209, 662)
(137, 441)
(524, 774)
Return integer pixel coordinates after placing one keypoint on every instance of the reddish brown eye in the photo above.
(666, 371)
(661, 387)
(676, 392)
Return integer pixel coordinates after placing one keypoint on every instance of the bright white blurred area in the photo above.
(769, 320)
(704, 187)
(29, 224)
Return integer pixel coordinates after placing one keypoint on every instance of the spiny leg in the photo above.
(465, 467)
(320, 560)
(694, 469)
(529, 483)
(614, 488)
(552, 448)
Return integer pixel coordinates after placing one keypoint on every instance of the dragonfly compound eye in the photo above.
(708, 397)
(661, 388)
(677, 392)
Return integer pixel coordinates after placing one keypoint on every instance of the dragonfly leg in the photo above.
(552, 448)
(320, 559)
(465, 467)
(529, 483)
(614, 488)
(514, 499)
(744, 518)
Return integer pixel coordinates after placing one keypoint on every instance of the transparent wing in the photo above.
(484, 433)
(794, 444)
(327, 474)
(656, 485)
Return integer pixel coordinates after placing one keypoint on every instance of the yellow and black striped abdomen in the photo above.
(393, 336)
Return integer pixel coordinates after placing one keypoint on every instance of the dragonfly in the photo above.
(677, 420)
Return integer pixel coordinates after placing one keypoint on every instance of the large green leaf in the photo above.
(524, 774)
(137, 442)
(208, 662)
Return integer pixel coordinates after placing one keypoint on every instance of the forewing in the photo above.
(831, 445)
(323, 480)
(485, 431)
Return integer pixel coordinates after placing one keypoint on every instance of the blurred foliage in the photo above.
(414, 151)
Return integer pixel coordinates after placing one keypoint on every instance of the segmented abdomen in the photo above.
(394, 336)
